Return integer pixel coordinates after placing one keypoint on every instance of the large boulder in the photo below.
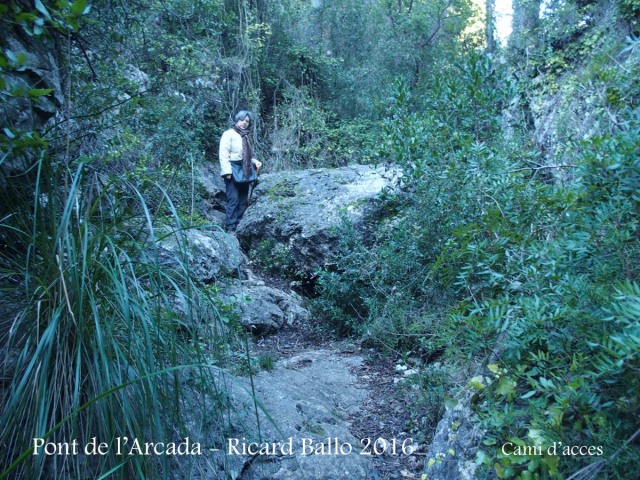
(263, 309)
(213, 256)
(209, 254)
(213, 192)
(302, 209)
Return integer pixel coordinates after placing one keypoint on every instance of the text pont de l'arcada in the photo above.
(120, 446)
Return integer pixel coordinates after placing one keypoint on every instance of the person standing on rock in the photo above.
(238, 167)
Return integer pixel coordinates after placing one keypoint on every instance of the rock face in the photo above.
(303, 209)
(39, 70)
(264, 309)
(213, 256)
(210, 254)
(300, 210)
(310, 396)
(454, 446)
(213, 192)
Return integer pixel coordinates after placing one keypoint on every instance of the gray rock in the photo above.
(209, 254)
(454, 446)
(138, 78)
(303, 208)
(212, 192)
(39, 70)
(307, 398)
(264, 309)
(214, 256)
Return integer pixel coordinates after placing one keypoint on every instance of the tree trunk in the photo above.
(490, 26)
(524, 23)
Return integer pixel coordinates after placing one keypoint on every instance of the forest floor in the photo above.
(391, 411)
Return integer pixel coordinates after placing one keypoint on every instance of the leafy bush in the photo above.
(488, 257)
(342, 290)
(543, 290)
(274, 258)
(392, 290)
(566, 342)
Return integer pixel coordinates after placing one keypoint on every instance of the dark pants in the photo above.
(237, 197)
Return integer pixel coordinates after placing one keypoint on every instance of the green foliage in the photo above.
(275, 258)
(384, 290)
(541, 276)
(630, 9)
(61, 16)
(105, 340)
(266, 362)
(460, 110)
(488, 257)
(322, 102)
(487, 249)
(567, 34)
(146, 100)
(342, 289)
(548, 284)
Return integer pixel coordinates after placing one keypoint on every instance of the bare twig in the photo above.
(535, 169)
(497, 204)
(79, 40)
(441, 19)
(592, 470)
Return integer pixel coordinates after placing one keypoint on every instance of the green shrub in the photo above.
(275, 258)
(343, 288)
(493, 254)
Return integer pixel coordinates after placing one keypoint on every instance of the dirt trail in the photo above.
(320, 390)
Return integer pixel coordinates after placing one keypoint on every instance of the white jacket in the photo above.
(231, 151)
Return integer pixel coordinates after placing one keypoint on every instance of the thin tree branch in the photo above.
(441, 20)
(79, 40)
(535, 169)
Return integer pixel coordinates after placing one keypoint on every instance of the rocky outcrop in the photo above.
(212, 192)
(303, 209)
(454, 446)
(39, 69)
(263, 309)
(213, 256)
(309, 398)
(33, 66)
(209, 255)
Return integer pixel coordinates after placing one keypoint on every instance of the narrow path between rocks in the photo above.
(340, 406)
(328, 400)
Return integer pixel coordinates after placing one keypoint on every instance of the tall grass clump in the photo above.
(99, 338)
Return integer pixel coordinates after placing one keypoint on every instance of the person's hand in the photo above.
(257, 163)
(227, 176)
